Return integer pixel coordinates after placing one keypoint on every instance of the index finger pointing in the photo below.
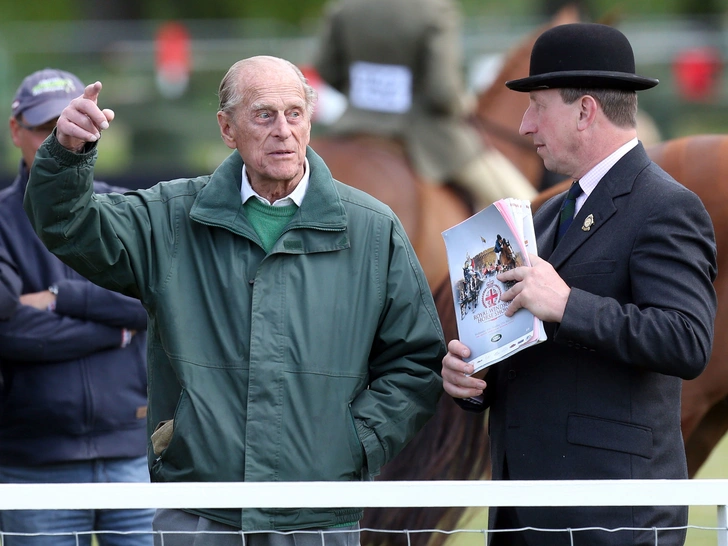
(91, 92)
(99, 118)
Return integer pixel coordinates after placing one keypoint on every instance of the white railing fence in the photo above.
(384, 494)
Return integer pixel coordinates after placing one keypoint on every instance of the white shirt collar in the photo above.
(294, 198)
(590, 180)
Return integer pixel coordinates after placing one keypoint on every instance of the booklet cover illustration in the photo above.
(496, 239)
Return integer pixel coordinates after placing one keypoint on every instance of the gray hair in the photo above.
(231, 95)
(620, 107)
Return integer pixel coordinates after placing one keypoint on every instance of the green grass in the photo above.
(707, 516)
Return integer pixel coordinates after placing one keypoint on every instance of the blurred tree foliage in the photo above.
(286, 10)
(298, 11)
(156, 137)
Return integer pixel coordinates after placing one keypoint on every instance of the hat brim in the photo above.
(45, 112)
(594, 79)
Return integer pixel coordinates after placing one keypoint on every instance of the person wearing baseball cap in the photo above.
(624, 285)
(38, 102)
(72, 360)
(44, 94)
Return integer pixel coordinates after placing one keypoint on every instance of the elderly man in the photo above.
(292, 333)
(624, 283)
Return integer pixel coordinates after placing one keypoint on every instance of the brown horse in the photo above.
(499, 110)
(380, 168)
(508, 258)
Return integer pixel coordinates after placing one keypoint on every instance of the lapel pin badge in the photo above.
(588, 223)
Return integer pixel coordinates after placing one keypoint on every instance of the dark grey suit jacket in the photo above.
(601, 398)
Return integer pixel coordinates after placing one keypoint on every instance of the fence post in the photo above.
(722, 525)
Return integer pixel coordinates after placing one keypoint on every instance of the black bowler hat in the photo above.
(581, 55)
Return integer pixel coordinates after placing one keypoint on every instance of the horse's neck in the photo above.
(388, 144)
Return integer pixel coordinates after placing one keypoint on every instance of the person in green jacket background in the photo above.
(292, 334)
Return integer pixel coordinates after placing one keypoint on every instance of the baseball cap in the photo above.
(44, 94)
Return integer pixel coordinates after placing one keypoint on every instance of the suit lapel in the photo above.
(600, 205)
(546, 236)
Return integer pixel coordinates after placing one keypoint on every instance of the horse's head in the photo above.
(499, 110)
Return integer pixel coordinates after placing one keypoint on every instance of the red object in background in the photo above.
(697, 72)
(312, 75)
(173, 58)
(331, 104)
(314, 80)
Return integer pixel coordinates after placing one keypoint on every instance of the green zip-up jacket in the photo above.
(315, 362)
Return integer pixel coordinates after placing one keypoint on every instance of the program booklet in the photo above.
(496, 239)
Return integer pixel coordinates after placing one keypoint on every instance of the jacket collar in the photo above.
(600, 206)
(219, 204)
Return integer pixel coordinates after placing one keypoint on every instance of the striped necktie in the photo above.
(568, 207)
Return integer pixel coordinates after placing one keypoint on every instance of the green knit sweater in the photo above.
(268, 221)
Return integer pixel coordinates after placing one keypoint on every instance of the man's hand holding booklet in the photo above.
(496, 239)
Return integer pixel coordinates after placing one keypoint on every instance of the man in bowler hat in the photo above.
(624, 285)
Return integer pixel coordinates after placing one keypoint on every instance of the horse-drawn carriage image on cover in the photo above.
(492, 241)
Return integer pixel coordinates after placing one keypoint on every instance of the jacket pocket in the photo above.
(606, 434)
(162, 435)
(170, 458)
(357, 449)
(599, 267)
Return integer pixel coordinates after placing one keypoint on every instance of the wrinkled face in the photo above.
(553, 126)
(270, 128)
(29, 139)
